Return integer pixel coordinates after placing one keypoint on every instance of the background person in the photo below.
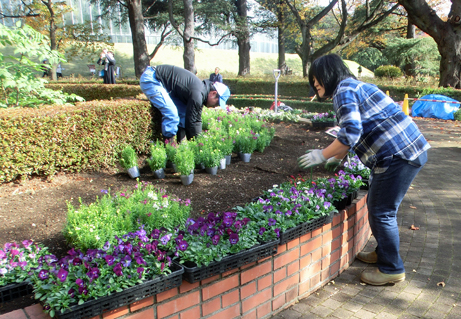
(108, 61)
(386, 140)
(59, 71)
(180, 95)
(216, 77)
(45, 68)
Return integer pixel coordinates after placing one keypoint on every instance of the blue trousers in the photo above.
(173, 112)
(385, 194)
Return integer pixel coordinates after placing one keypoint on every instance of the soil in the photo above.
(36, 208)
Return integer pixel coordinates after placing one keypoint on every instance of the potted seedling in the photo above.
(157, 160)
(129, 161)
(185, 163)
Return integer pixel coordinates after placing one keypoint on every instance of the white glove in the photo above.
(311, 158)
(333, 163)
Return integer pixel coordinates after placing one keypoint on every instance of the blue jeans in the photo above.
(173, 112)
(385, 194)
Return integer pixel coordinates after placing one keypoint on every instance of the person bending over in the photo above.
(386, 140)
(180, 96)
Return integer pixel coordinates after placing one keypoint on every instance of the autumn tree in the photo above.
(447, 35)
(47, 17)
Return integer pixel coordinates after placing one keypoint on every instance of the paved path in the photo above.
(432, 254)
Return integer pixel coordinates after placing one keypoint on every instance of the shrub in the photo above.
(128, 158)
(457, 115)
(388, 71)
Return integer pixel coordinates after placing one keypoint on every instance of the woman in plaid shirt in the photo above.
(386, 140)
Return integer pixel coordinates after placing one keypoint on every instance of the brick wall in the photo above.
(262, 289)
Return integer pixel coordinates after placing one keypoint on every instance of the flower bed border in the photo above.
(263, 288)
(95, 307)
(228, 263)
(15, 290)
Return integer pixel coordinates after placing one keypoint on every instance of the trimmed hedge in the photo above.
(87, 136)
(97, 91)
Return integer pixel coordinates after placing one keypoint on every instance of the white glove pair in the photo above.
(315, 157)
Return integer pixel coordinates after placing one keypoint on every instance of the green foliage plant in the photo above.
(245, 141)
(171, 147)
(457, 115)
(128, 157)
(92, 225)
(157, 158)
(388, 71)
(184, 158)
(211, 156)
(19, 85)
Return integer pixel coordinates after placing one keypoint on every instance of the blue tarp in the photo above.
(437, 110)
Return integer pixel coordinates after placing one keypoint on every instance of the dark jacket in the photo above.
(215, 77)
(186, 88)
(109, 68)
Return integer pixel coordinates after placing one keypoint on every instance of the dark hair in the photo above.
(329, 70)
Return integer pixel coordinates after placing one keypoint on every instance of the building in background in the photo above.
(121, 33)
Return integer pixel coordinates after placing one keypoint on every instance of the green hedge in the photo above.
(87, 136)
(97, 91)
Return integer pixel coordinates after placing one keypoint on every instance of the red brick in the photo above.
(288, 257)
(193, 313)
(255, 272)
(243, 267)
(230, 298)
(264, 310)
(326, 250)
(286, 284)
(310, 271)
(315, 280)
(250, 315)
(310, 246)
(232, 312)
(211, 306)
(135, 306)
(293, 243)
(167, 294)
(327, 237)
(145, 314)
(316, 232)
(304, 287)
(256, 300)
(248, 290)
(16, 314)
(211, 279)
(278, 302)
(337, 231)
(292, 294)
(316, 255)
(220, 287)
(281, 249)
(325, 275)
(178, 304)
(293, 267)
(336, 219)
(326, 227)
(305, 237)
(186, 286)
(335, 244)
(115, 313)
(264, 282)
(305, 261)
(280, 274)
(36, 312)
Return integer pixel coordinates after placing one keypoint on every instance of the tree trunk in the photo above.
(243, 38)
(447, 35)
(410, 67)
(53, 42)
(140, 53)
(281, 39)
(189, 52)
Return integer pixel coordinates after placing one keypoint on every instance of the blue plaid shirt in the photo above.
(374, 126)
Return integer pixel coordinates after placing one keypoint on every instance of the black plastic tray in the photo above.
(16, 290)
(95, 307)
(194, 274)
(304, 228)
